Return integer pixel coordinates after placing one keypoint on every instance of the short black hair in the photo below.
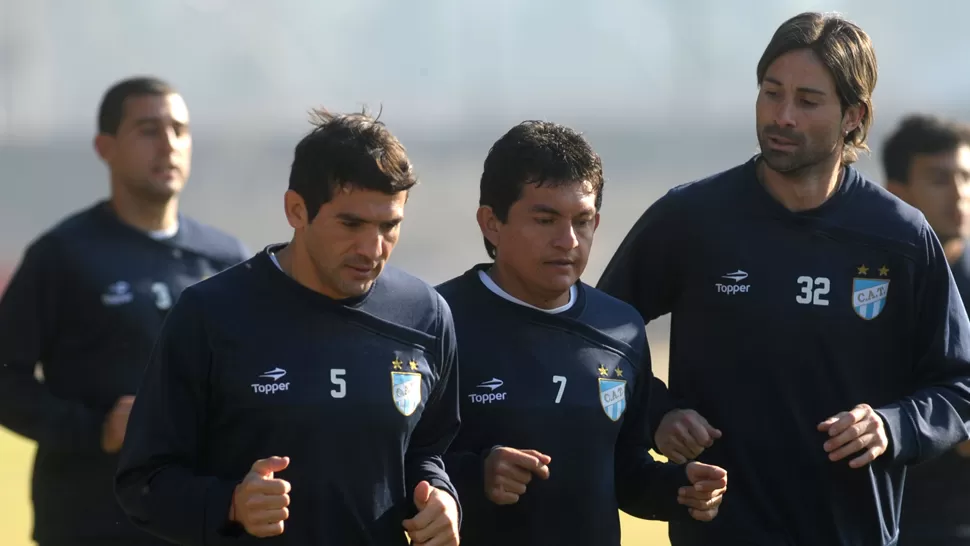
(112, 109)
(348, 150)
(919, 134)
(540, 153)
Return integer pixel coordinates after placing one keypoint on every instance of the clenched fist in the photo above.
(436, 523)
(683, 434)
(260, 503)
(860, 429)
(709, 485)
(508, 471)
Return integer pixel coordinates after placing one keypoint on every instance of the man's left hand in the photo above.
(853, 431)
(436, 523)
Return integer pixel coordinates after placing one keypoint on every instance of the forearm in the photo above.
(650, 491)
(28, 408)
(927, 424)
(177, 505)
(466, 469)
(661, 402)
(429, 468)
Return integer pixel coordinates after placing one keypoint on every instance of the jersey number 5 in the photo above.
(813, 290)
(336, 377)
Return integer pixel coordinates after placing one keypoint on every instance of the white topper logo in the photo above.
(490, 396)
(275, 374)
(737, 276)
(118, 293)
(492, 383)
(737, 287)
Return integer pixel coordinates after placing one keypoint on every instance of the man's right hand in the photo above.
(113, 430)
(683, 435)
(260, 502)
(508, 471)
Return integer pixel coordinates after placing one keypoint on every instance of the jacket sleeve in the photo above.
(645, 488)
(646, 272)
(439, 421)
(158, 482)
(29, 312)
(934, 419)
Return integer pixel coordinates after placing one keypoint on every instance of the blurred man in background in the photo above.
(81, 313)
(815, 321)
(927, 164)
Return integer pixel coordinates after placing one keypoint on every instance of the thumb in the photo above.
(422, 494)
(712, 432)
(266, 467)
(698, 472)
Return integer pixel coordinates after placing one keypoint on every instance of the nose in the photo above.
(960, 190)
(371, 245)
(566, 239)
(785, 113)
(169, 141)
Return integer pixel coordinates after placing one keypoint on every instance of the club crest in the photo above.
(406, 389)
(613, 397)
(869, 294)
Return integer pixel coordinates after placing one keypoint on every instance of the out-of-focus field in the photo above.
(16, 456)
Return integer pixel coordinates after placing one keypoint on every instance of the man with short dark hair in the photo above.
(312, 373)
(86, 303)
(815, 322)
(556, 375)
(927, 164)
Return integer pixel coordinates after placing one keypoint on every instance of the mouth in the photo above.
(780, 143)
(561, 263)
(360, 272)
(165, 170)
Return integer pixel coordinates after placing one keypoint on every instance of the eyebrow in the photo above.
(545, 209)
(348, 217)
(800, 89)
(156, 120)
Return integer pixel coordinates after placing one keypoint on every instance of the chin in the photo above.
(162, 190)
(560, 283)
(781, 162)
(353, 289)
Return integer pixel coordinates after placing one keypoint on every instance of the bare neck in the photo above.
(295, 262)
(144, 214)
(802, 190)
(514, 286)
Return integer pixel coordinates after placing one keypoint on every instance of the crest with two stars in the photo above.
(612, 392)
(869, 291)
(405, 385)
